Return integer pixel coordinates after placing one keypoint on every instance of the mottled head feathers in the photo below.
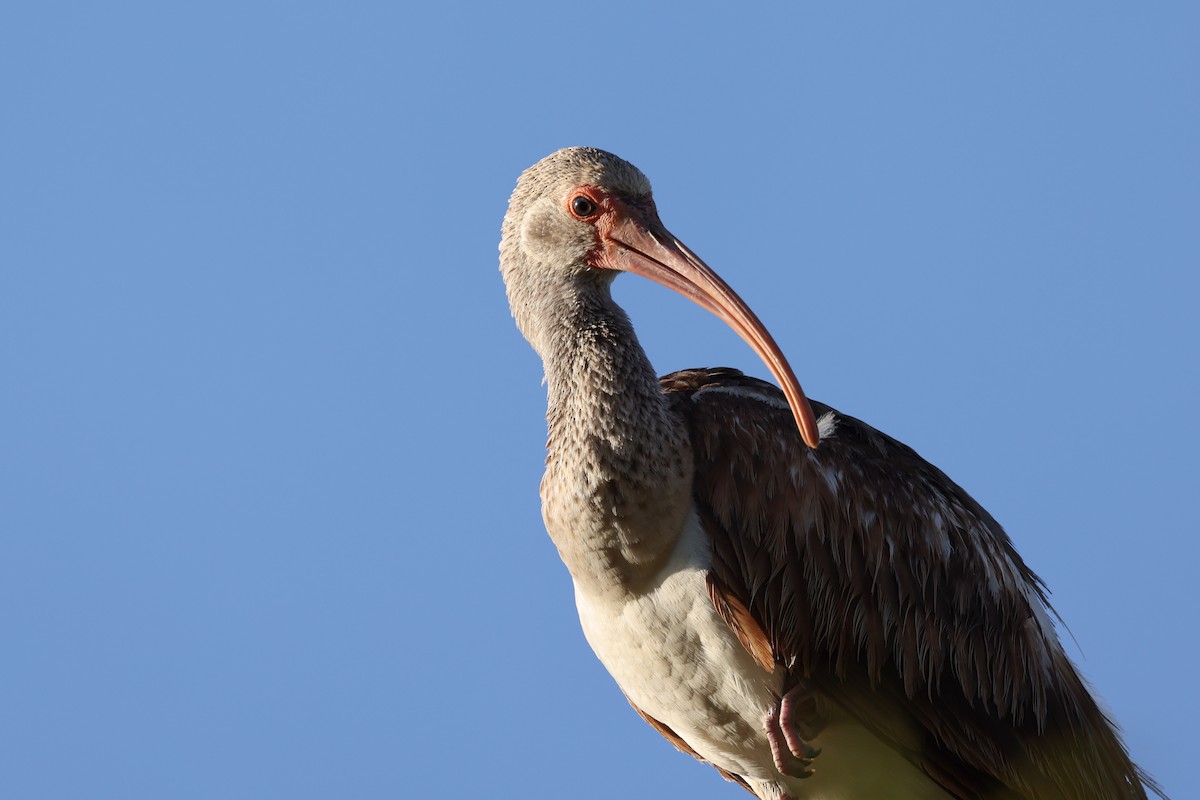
(543, 249)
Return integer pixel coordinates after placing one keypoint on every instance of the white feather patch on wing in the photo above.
(827, 424)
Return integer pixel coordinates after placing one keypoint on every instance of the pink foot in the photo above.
(789, 726)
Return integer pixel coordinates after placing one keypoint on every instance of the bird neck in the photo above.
(617, 487)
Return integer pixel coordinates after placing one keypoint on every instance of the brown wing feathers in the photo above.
(864, 568)
(742, 623)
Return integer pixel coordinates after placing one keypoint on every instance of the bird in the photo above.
(779, 589)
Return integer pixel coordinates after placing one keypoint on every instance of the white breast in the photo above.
(677, 661)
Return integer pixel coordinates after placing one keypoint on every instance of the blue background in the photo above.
(270, 443)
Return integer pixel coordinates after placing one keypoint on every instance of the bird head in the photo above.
(580, 216)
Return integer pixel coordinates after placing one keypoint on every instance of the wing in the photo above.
(878, 579)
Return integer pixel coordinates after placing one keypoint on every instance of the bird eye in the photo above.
(582, 206)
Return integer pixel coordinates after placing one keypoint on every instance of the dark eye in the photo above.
(582, 206)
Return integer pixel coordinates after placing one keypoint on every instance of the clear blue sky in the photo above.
(270, 443)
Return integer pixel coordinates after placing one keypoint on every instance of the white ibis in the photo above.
(807, 605)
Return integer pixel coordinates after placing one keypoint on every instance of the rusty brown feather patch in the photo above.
(666, 732)
(742, 623)
(683, 747)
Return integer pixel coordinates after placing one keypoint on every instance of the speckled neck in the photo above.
(617, 486)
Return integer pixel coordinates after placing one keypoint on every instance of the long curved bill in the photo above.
(634, 240)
